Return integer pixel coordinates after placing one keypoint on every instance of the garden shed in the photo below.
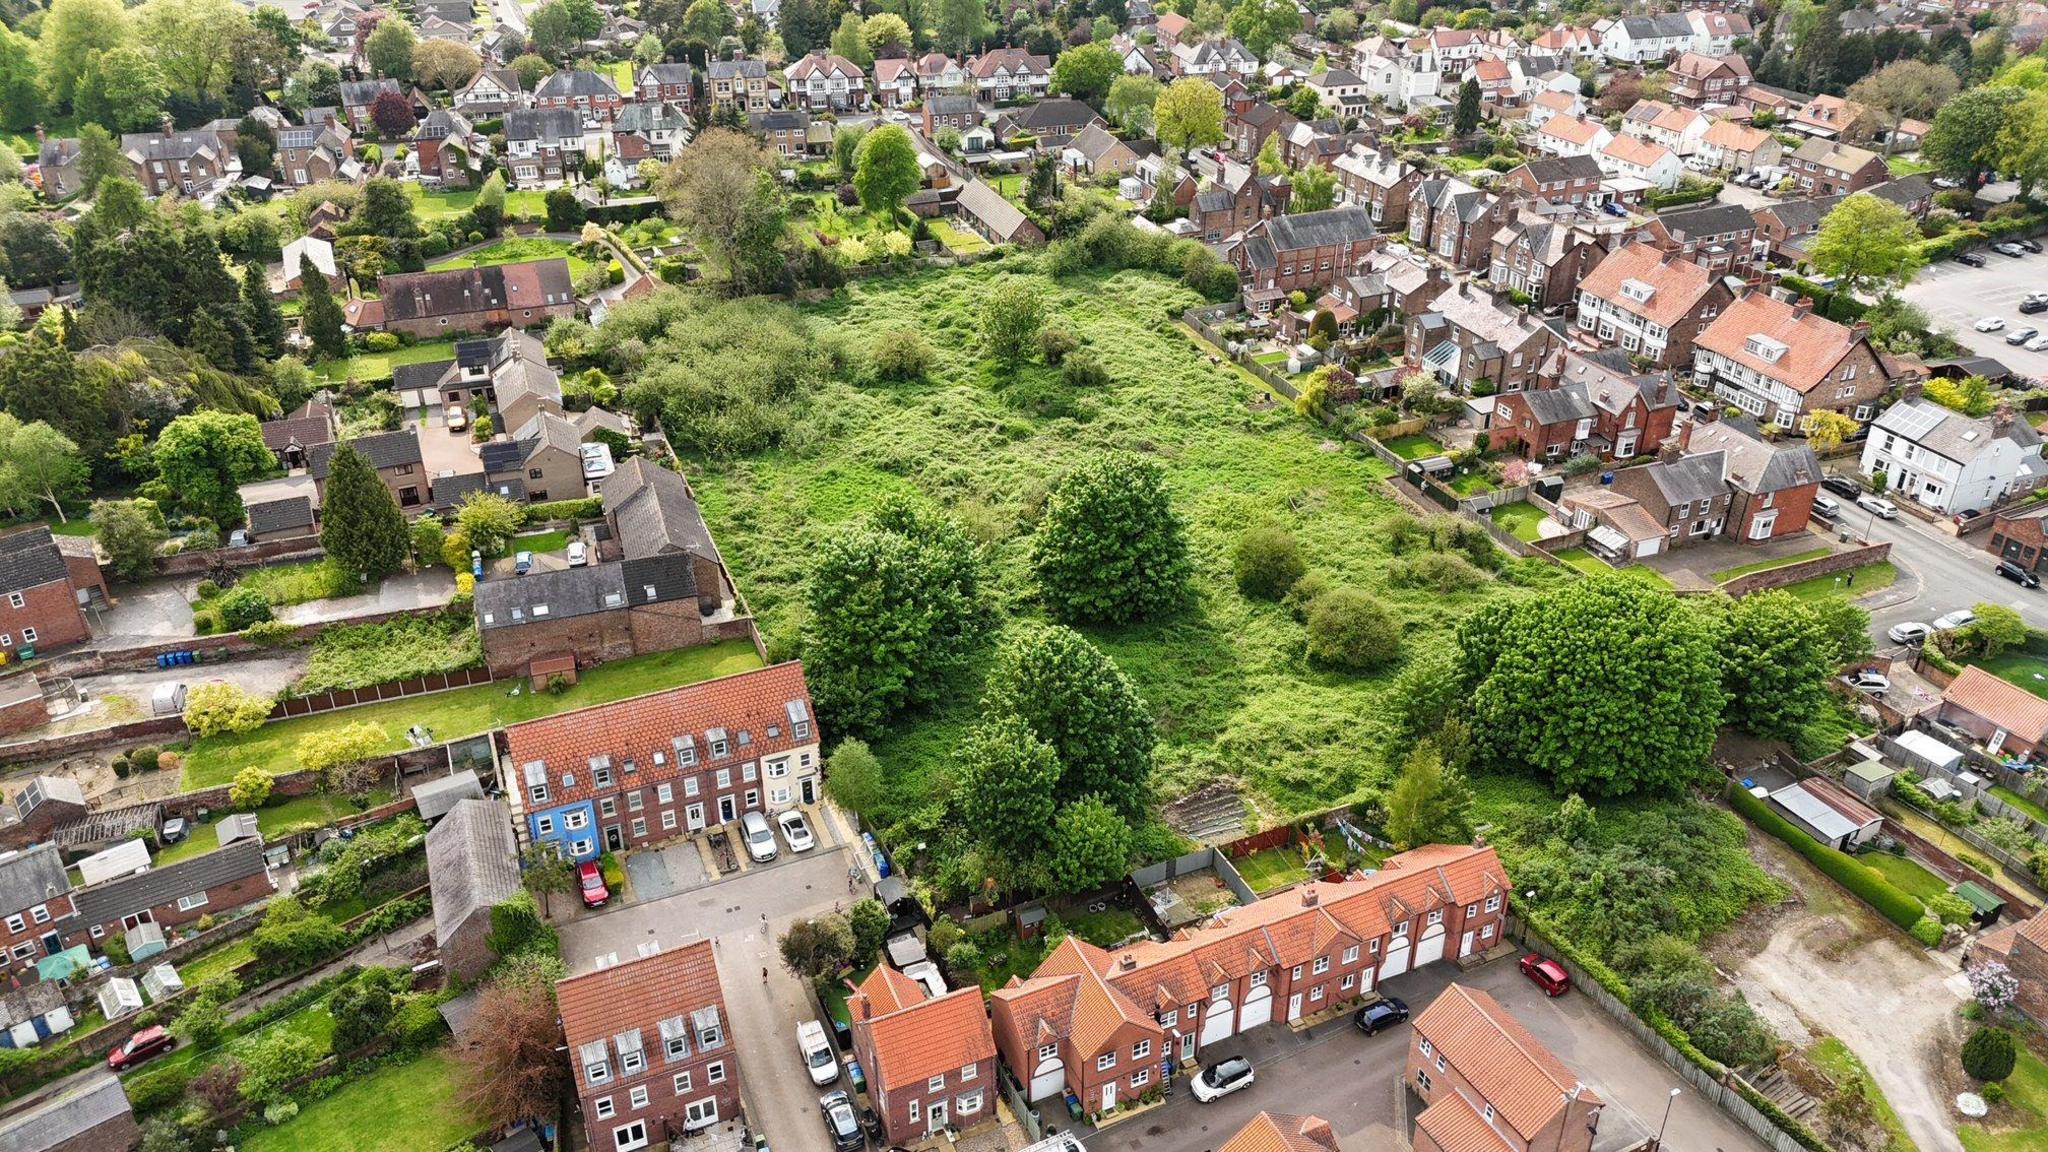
(1868, 778)
(239, 826)
(144, 940)
(1920, 752)
(123, 859)
(119, 997)
(1828, 813)
(1984, 904)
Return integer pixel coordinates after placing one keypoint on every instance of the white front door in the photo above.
(935, 1118)
(1465, 945)
(1109, 1096)
(1294, 1006)
(1187, 1046)
(694, 817)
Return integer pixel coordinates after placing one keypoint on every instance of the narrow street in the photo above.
(1938, 573)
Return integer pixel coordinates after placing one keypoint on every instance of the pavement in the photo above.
(1955, 296)
(1693, 567)
(444, 451)
(412, 592)
(1356, 1082)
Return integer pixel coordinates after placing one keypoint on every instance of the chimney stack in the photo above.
(1308, 896)
(1912, 390)
(1859, 329)
(165, 124)
(1127, 962)
(1801, 307)
(2001, 418)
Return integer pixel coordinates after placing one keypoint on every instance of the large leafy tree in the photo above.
(960, 25)
(444, 63)
(510, 1069)
(1604, 687)
(197, 43)
(1315, 190)
(488, 521)
(1007, 780)
(1867, 243)
(21, 94)
(1778, 653)
(1189, 114)
(360, 524)
(850, 39)
(722, 190)
(73, 32)
(1905, 88)
(129, 532)
(2023, 141)
(266, 323)
(122, 90)
(1086, 72)
(1130, 101)
(1963, 141)
(1076, 699)
(39, 463)
(1264, 24)
(204, 457)
(886, 170)
(891, 610)
(1091, 846)
(43, 380)
(1110, 548)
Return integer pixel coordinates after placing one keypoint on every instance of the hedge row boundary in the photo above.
(1892, 903)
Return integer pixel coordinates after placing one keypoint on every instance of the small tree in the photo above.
(544, 871)
(250, 789)
(1091, 846)
(1012, 312)
(1466, 119)
(320, 318)
(1990, 1054)
(565, 211)
(391, 112)
(1266, 562)
(218, 706)
(1110, 548)
(510, 1069)
(818, 947)
(129, 532)
(869, 922)
(1430, 804)
(488, 522)
(1347, 628)
(275, 1060)
(349, 756)
(854, 778)
(1994, 986)
(901, 353)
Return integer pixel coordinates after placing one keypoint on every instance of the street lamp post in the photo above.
(1668, 1102)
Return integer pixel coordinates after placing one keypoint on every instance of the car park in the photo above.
(1842, 486)
(1969, 258)
(151, 1041)
(1547, 974)
(759, 837)
(1882, 508)
(796, 831)
(1955, 619)
(816, 1051)
(1910, 632)
(1221, 1079)
(2018, 575)
(1381, 1014)
(1870, 680)
(2038, 343)
(2019, 336)
(2033, 246)
(1990, 324)
(590, 882)
(842, 1124)
(2031, 305)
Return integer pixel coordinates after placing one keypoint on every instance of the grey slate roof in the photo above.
(1905, 190)
(667, 73)
(26, 1004)
(1708, 220)
(575, 82)
(1652, 27)
(1559, 405)
(382, 450)
(565, 592)
(1558, 169)
(360, 93)
(1058, 114)
(658, 579)
(66, 1116)
(1689, 478)
(1752, 463)
(546, 125)
(448, 491)
(102, 903)
(29, 559)
(280, 515)
(436, 798)
(472, 863)
(654, 511)
(1319, 229)
(33, 877)
(728, 69)
(1953, 435)
(406, 377)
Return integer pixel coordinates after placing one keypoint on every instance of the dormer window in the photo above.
(1637, 290)
(1764, 348)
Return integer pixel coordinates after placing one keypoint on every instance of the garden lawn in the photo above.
(78, 525)
(2029, 672)
(1271, 868)
(1904, 166)
(298, 814)
(1585, 562)
(402, 1107)
(1471, 484)
(432, 206)
(1104, 929)
(1225, 679)
(377, 365)
(2020, 802)
(1727, 574)
(513, 250)
(2025, 1111)
(1519, 519)
(218, 961)
(1869, 578)
(465, 711)
(1833, 1057)
(958, 240)
(1905, 875)
(541, 542)
(1414, 446)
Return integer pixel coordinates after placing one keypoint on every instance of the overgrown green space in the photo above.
(1833, 1057)
(286, 584)
(958, 240)
(360, 655)
(368, 366)
(402, 1107)
(1227, 679)
(2020, 802)
(1727, 574)
(464, 711)
(432, 206)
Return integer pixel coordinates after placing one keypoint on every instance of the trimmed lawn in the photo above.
(1269, 359)
(1833, 1057)
(1520, 519)
(397, 1108)
(1271, 868)
(298, 814)
(1903, 166)
(1867, 579)
(513, 250)
(1414, 446)
(464, 711)
(432, 206)
(2025, 1110)
(541, 542)
(78, 525)
(1106, 928)
(957, 240)
(2029, 672)
(1904, 874)
(1727, 574)
(1592, 565)
(378, 365)
(2020, 802)
(1471, 484)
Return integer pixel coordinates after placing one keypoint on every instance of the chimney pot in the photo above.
(1127, 962)
(1802, 306)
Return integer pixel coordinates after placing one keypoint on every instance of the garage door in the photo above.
(1397, 960)
(1431, 949)
(1258, 1009)
(1049, 1080)
(1216, 1022)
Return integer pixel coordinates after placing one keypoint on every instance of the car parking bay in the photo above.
(1956, 296)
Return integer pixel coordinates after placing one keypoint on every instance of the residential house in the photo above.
(1319, 143)
(472, 866)
(1487, 1083)
(648, 1040)
(544, 146)
(1237, 200)
(1049, 123)
(1695, 79)
(1656, 122)
(1389, 289)
(45, 588)
(1455, 222)
(985, 212)
(1684, 496)
(171, 895)
(1772, 485)
(1549, 104)
(1379, 182)
(1716, 31)
(651, 511)
(1550, 425)
(959, 111)
(1544, 255)
(1913, 193)
(1248, 128)
(895, 82)
(1826, 168)
(1094, 152)
(35, 906)
(1651, 302)
(1470, 338)
(2023, 948)
(1642, 39)
(2019, 535)
(448, 149)
(57, 166)
(1341, 90)
(194, 164)
(1718, 237)
(827, 82)
(358, 95)
(510, 370)
(1102, 1025)
(1396, 74)
(395, 457)
(1576, 136)
(1005, 74)
(938, 72)
(544, 455)
(671, 763)
(1628, 158)
(1732, 147)
(1305, 251)
(1782, 229)
(464, 300)
(1779, 102)
(1218, 57)
(643, 131)
(1949, 462)
(1830, 118)
(2005, 718)
(90, 1114)
(930, 1061)
(1281, 1132)
(590, 94)
(34, 1013)
(666, 84)
(315, 153)
(1633, 413)
(1559, 180)
(293, 437)
(1495, 79)
(1454, 48)
(787, 133)
(1576, 43)
(1782, 363)
(738, 84)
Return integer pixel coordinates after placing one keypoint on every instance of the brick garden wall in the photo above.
(1807, 569)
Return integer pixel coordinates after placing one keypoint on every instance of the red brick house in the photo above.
(2023, 949)
(1828, 168)
(930, 1061)
(647, 1038)
(1651, 302)
(591, 93)
(1545, 254)
(1773, 484)
(1718, 237)
(173, 895)
(1106, 1026)
(1470, 338)
(1486, 1083)
(434, 305)
(1306, 251)
(666, 84)
(1381, 184)
(1559, 180)
(1695, 79)
(1282, 1132)
(1780, 362)
(2019, 536)
(44, 587)
(1994, 711)
(1586, 406)
(1455, 222)
(1232, 204)
(35, 906)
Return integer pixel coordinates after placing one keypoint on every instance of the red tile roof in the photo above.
(2009, 706)
(929, 1038)
(1814, 344)
(639, 994)
(1456, 1127)
(1282, 1132)
(1676, 285)
(1509, 1068)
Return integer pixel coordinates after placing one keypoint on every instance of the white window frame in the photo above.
(604, 1109)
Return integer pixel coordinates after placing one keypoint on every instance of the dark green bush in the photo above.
(1267, 562)
(1926, 930)
(589, 508)
(1348, 628)
(155, 1091)
(1989, 1054)
(241, 607)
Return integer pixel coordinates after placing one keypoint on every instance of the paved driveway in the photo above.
(404, 593)
(1956, 296)
(742, 917)
(663, 872)
(144, 614)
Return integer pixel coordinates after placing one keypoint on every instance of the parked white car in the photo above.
(1990, 324)
(759, 836)
(1878, 505)
(1871, 680)
(816, 1050)
(1955, 619)
(1221, 1079)
(1911, 632)
(796, 831)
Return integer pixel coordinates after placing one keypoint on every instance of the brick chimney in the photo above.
(1801, 307)
(2001, 418)
(1308, 896)
(1859, 329)
(1912, 390)
(1127, 962)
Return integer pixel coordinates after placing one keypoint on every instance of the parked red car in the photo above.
(590, 878)
(140, 1047)
(1548, 974)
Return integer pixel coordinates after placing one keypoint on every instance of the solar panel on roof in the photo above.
(1914, 421)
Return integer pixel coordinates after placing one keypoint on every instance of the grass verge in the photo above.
(1855, 582)
(1727, 574)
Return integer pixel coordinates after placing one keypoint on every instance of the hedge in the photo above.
(1891, 903)
(1674, 199)
(589, 508)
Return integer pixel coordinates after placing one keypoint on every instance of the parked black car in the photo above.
(2029, 307)
(2018, 575)
(1385, 1012)
(841, 1123)
(1970, 258)
(1841, 485)
(2033, 246)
